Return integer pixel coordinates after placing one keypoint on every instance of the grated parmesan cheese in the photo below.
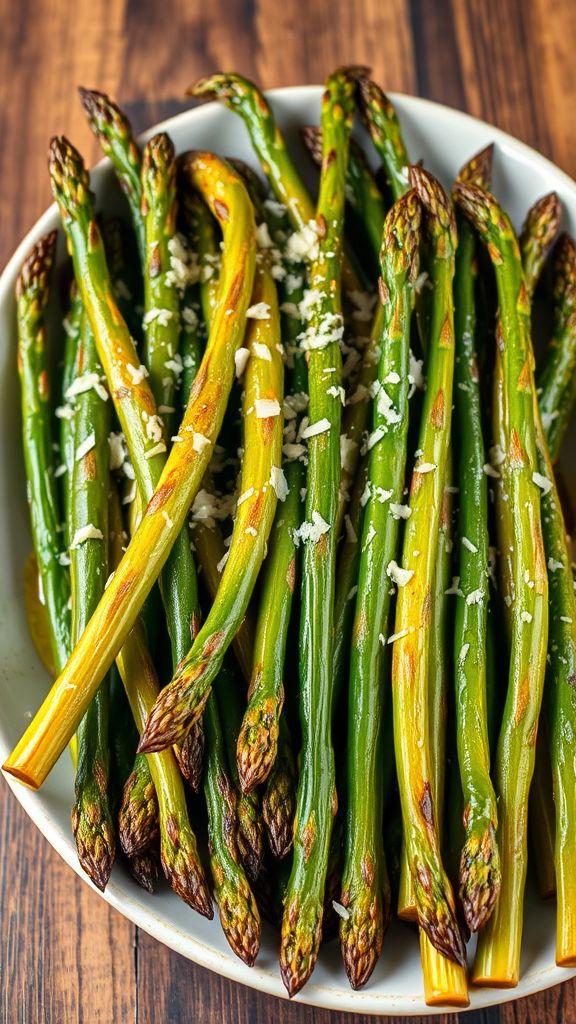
(398, 575)
(84, 533)
(266, 407)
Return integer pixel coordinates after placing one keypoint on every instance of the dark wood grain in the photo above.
(64, 956)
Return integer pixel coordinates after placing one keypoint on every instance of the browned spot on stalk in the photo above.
(447, 332)
(267, 427)
(517, 454)
(367, 868)
(308, 838)
(522, 700)
(254, 510)
(383, 291)
(291, 574)
(416, 483)
(571, 680)
(360, 623)
(334, 802)
(533, 735)
(194, 626)
(427, 607)
(466, 815)
(119, 593)
(330, 158)
(122, 392)
(321, 224)
(100, 777)
(499, 335)
(160, 497)
(89, 465)
(172, 830)
(322, 546)
(212, 644)
(234, 292)
(523, 302)
(43, 386)
(221, 210)
(437, 411)
(155, 264)
(93, 235)
(495, 254)
(425, 804)
(524, 378)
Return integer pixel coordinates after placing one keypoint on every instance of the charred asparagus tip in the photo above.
(240, 923)
(184, 874)
(170, 719)
(299, 947)
(311, 136)
(144, 870)
(257, 744)
(69, 177)
(103, 113)
(138, 816)
(95, 844)
(37, 265)
(433, 197)
(479, 878)
(478, 170)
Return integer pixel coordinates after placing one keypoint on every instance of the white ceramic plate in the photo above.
(445, 139)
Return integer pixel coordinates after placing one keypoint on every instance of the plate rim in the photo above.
(225, 963)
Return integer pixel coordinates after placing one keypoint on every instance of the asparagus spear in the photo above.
(144, 870)
(411, 654)
(557, 374)
(480, 862)
(258, 737)
(250, 832)
(362, 192)
(65, 412)
(88, 539)
(316, 798)
(538, 233)
(178, 850)
(32, 292)
(182, 701)
(114, 133)
(364, 877)
(238, 911)
(161, 300)
(56, 721)
(524, 581)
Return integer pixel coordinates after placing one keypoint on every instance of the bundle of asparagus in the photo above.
(313, 376)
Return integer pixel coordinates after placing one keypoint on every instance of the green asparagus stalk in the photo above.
(411, 637)
(182, 701)
(114, 133)
(540, 228)
(557, 375)
(525, 584)
(88, 541)
(538, 233)
(258, 737)
(364, 882)
(362, 192)
(480, 862)
(161, 300)
(316, 798)
(164, 516)
(32, 293)
(236, 904)
(250, 831)
(65, 412)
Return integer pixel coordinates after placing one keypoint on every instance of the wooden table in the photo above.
(65, 957)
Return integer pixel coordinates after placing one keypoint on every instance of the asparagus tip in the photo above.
(182, 867)
(171, 717)
(257, 743)
(479, 878)
(144, 870)
(240, 921)
(190, 756)
(478, 170)
(279, 808)
(138, 815)
(362, 934)
(95, 840)
(300, 941)
(311, 136)
(436, 915)
(37, 266)
(434, 199)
